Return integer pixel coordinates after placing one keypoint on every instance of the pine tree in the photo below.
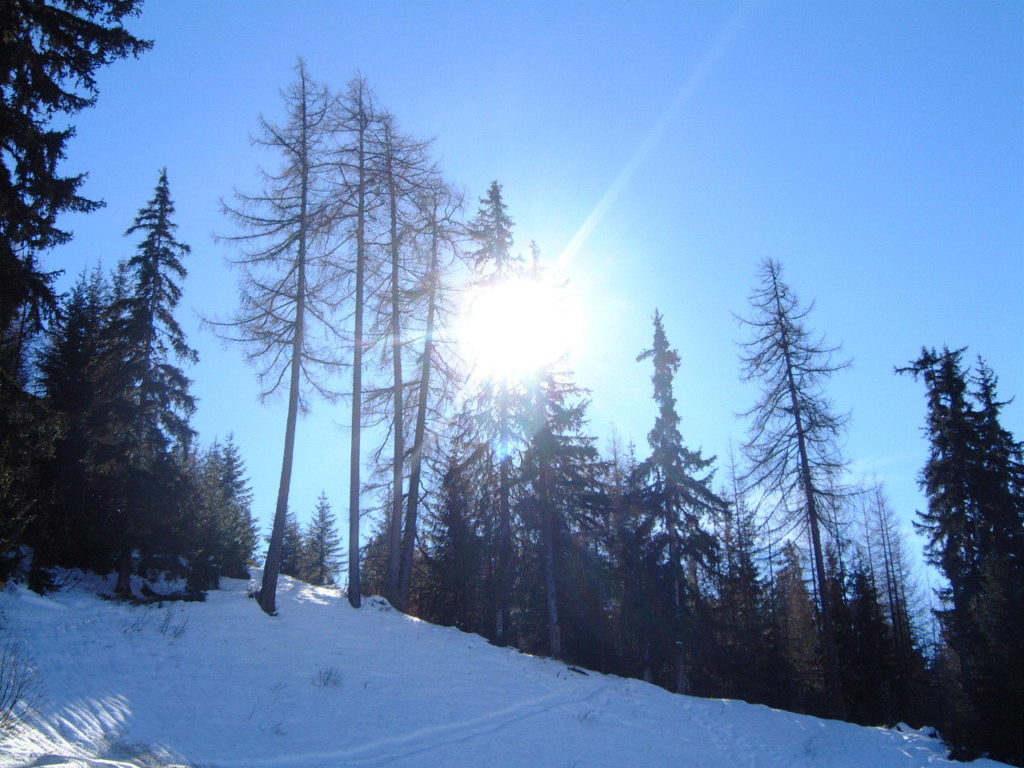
(291, 547)
(455, 572)
(321, 547)
(792, 444)
(71, 529)
(50, 53)
(491, 230)
(230, 534)
(798, 633)
(743, 655)
(154, 392)
(560, 464)
(973, 479)
(675, 481)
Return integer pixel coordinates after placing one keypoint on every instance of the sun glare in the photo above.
(514, 328)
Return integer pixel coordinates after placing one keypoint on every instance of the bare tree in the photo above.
(438, 206)
(355, 201)
(405, 171)
(288, 289)
(793, 439)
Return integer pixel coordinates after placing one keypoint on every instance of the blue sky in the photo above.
(876, 149)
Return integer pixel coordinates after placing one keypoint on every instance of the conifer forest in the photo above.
(481, 492)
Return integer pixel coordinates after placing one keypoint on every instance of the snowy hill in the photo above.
(220, 685)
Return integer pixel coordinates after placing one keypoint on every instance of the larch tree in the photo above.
(894, 581)
(792, 446)
(405, 171)
(356, 199)
(288, 288)
(438, 235)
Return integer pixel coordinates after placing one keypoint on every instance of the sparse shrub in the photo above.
(168, 628)
(136, 624)
(17, 684)
(327, 677)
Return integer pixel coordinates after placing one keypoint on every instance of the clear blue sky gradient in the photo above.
(876, 149)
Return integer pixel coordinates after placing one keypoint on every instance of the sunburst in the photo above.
(512, 329)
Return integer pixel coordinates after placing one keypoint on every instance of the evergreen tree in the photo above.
(675, 486)
(798, 633)
(321, 547)
(72, 527)
(633, 554)
(491, 230)
(867, 649)
(237, 526)
(50, 53)
(27, 433)
(560, 465)
(152, 393)
(973, 480)
(498, 404)
(225, 531)
(742, 655)
(291, 547)
(454, 557)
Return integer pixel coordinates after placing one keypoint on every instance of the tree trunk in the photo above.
(412, 505)
(502, 615)
(833, 684)
(272, 567)
(397, 393)
(680, 676)
(354, 586)
(547, 516)
(124, 572)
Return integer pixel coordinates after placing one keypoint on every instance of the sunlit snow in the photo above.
(221, 685)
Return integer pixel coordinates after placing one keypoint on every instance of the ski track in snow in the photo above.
(240, 690)
(427, 739)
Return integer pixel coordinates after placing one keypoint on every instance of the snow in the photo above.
(221, 685)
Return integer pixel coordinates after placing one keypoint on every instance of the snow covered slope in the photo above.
(220, 685)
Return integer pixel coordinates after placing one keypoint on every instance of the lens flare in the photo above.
(514, 328)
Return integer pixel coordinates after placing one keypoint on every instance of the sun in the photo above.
(512, 329)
